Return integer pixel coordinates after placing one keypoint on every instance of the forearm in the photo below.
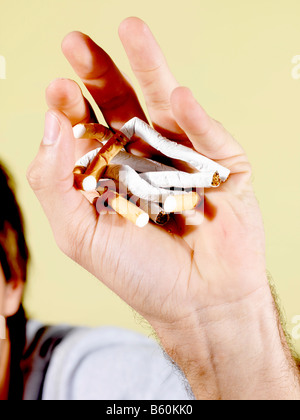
(235, 351)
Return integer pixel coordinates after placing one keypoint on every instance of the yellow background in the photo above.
(237, 58)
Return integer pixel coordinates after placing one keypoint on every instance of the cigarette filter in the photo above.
(148, 182)
(125, 208)
(85, 183)
(181, 203)
(92, 131)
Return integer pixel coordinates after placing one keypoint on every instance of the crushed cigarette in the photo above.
(137, 185)
(125, 208)
(137, 163)
(87, 159)
(104, 156)
(148, 182)
(180, 179)
(172, 149)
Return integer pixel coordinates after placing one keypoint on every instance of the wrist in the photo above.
(219, 348)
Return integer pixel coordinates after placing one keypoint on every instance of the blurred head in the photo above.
(13, 272)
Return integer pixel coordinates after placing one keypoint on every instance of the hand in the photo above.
(177, 281)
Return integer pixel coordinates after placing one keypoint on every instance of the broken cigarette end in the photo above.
(79, 170)
(162, 219)
(216, 181)
(89, 183)
(79, 131)
(181, 203)
(155, 212)
(142, 220)
(85, 183)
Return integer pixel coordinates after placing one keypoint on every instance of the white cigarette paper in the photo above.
(138, 186)
(172, 149)
(150, 182)
(155, 173)
(179, 179)
(87, 159)
(137, 163)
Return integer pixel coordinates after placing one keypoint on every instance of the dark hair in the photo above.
(14, 257)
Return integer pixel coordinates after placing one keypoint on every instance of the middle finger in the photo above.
(113, 94)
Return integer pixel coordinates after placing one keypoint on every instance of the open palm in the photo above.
(164, 274)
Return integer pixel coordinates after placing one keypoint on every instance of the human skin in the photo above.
(204, 289)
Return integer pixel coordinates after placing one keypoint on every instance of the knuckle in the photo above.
(34, 176)
(40, 174)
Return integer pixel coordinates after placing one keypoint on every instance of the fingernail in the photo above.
(52, 129)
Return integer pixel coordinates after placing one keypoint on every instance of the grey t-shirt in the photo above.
(105, 363)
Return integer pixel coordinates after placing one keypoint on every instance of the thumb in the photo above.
(51, 173)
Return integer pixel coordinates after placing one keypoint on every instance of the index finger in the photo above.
(112, 92)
